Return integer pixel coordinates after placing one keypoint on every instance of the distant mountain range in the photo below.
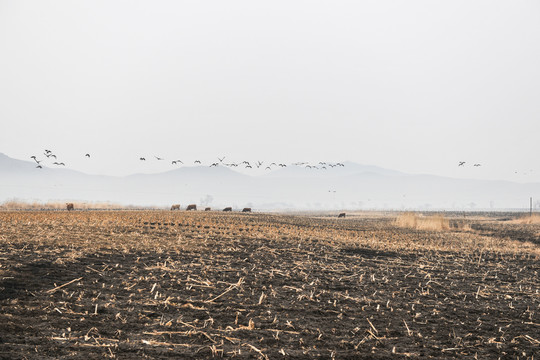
(352, 186)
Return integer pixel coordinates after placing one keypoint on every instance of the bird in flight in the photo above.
(158, 158)
(221, 160)
(177, 161)
(39, 167)
(461, 163)
(214, 164)
(57, 163)
(197, 162)
(142, 159)
(87, 155)
(477, 165)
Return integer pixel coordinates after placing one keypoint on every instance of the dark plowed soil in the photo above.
(158, 285)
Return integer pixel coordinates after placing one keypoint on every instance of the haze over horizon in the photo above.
(299, 187)
(415, 87)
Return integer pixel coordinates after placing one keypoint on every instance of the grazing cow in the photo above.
(69, 206)
(342, 215)
(175, 207)
(246, 210)
(207, 209)
(228, 209)
(191, 207)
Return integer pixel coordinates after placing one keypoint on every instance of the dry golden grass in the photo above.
(56, 205)
(534, 219)
(415, 221)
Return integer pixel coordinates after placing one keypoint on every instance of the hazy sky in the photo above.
(415, 86)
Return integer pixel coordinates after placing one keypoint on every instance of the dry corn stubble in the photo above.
(162, 284)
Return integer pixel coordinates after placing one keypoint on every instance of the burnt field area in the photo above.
(161, 284)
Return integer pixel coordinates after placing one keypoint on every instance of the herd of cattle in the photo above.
(71, 206)
(193, 207)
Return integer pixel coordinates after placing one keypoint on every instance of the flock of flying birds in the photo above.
(221, 162)
(257, 164)
(49, 154)
(462, 164)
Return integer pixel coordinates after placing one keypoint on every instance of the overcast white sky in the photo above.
(414, 86)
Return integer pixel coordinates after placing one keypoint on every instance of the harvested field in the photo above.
(160, 284)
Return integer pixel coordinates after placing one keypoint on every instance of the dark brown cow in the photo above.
(228, 209)
(70, 206)
(246, 210)
(175, 207)
(191, 207)
(342, 215)
(207, 209)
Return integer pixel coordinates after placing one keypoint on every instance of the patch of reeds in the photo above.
(531, 219)
(58, 205)
(418, 222)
